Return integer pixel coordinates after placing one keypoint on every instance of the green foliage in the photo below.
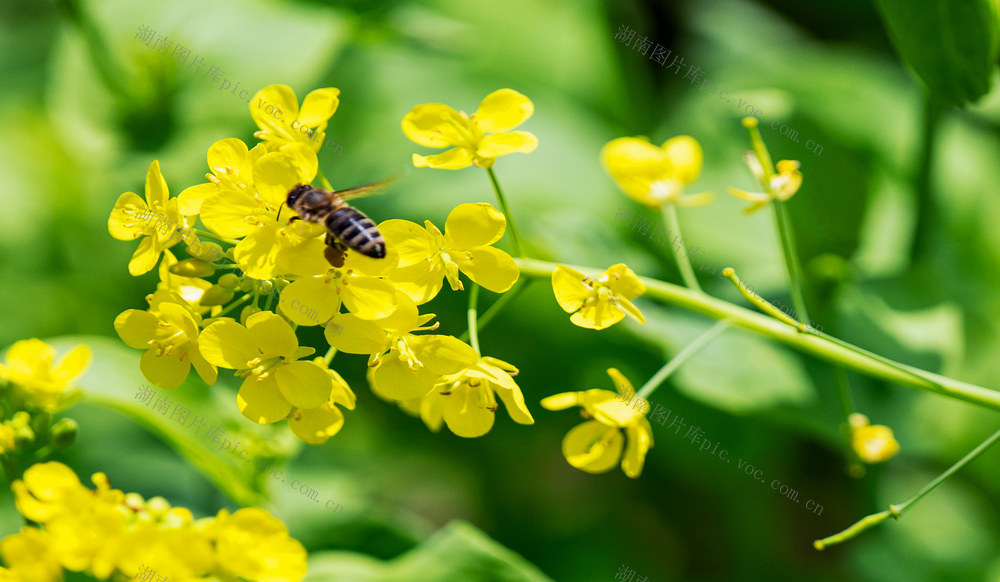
(950, 44)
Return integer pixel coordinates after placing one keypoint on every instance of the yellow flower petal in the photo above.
(488, 267)
(420, 282)
(453, 159)
(317, 425)
(261, 401)
(355, 335)
(190, 200)
(684, 153)
(310, 301)
(272, 109)
(130, 218)
(227, 344)
(443, 354)
(597, 315)
(503, 110)
(593, 447)
(369, 298)
(272, 334)
(501, 144)
(231, 213)
(434, 125)
(635, 164)
(393, 379)
(156, 187)
(257, 253)
(72, 364)
(569, 288)
(466, 415)
(303, 384)
(623, 281)
(319, 106)
(168, 370)
(144, 258)
(561, 401)
(473, 224)
(136, 328)
(640, 439)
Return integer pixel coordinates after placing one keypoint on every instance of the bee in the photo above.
(347, 228)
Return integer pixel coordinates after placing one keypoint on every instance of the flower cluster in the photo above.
(367, 306)
(111, 535)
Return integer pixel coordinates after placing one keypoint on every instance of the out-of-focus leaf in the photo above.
(113, 379)
(950, 44)
(457, 552)
(738, 372)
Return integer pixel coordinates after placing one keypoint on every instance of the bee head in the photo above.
(295, 193)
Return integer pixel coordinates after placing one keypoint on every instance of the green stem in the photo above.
(329, 355)
(682, 356)
(813, 342)
(322, 180)
(792, 267)
(213, 236)
(761, 150)
(499, 304)
(515, 237)
(473, 325)
(896, 511)
(234, 304)
(922, 183)
(683, 261)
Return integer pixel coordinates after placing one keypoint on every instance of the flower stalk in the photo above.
(680, 253)
(515, 237)
(682, 356)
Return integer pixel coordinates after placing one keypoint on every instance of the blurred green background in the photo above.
(911, 276)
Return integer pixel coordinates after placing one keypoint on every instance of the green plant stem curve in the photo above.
(815, 343)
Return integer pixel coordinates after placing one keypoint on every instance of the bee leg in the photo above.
(293, 219)
(335, 250)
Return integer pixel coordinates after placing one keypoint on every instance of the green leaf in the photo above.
(737, 372)
(458, 551)
(950, 44)
(113, 379)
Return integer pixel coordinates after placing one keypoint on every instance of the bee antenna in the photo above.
(279, 212)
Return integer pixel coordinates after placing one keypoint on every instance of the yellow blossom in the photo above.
(316, 425)
(170, 337)
(401, 365)
(782, 185)
(314, 300)
(872, 443)
(232, 165)
(426, 256)
(276, 111)
(477, 139)
(31, 365)
(266, 353)
(108, 534)
(598, 303)
(655, 175)
(466, 400)
(157, 220)
(596, 445)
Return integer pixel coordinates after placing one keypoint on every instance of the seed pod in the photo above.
(229, 281)
(216, 295)
(192, 268)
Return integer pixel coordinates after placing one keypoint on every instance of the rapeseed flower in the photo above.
(597, 445)
(315, 425)
(477, 139)
(314, 300)
(275, 110)
(655, 175)
(266, 353)
(169, 334)
(232, 165)
(427, 257)
(780, 185)
(156, 220)
(872, 443)
(598, 303)
(467, 400)
(47, 384)
(401, 365)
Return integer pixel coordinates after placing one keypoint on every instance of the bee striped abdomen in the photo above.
(357, 231)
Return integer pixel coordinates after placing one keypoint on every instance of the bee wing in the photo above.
(366, 190)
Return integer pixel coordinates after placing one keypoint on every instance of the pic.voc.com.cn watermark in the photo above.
(180, 414)
(660, 55)
(697, 437)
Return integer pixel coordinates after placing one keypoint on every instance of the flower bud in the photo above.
(192, 268)
(216, 295)
(247, 312)
(206, 251)
(874, 444)
(229, 281)
(63, 433)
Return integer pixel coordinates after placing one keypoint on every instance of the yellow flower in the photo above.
(232, 165)
(30, 556)
(29, 364)
(401, 365)
(314, 300)
(466, 400)
(598, 303)
(172, 288)
(269, 248)
(157, 219)
(276, 111)
(316, 425)
(872, 443)
(109, 534)
(7, 434)
(266, 353)
(782, 185)
(426, 256)
(655, 175)
(170, 337)
(438, 126)
(254, 545)
(596, 445)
